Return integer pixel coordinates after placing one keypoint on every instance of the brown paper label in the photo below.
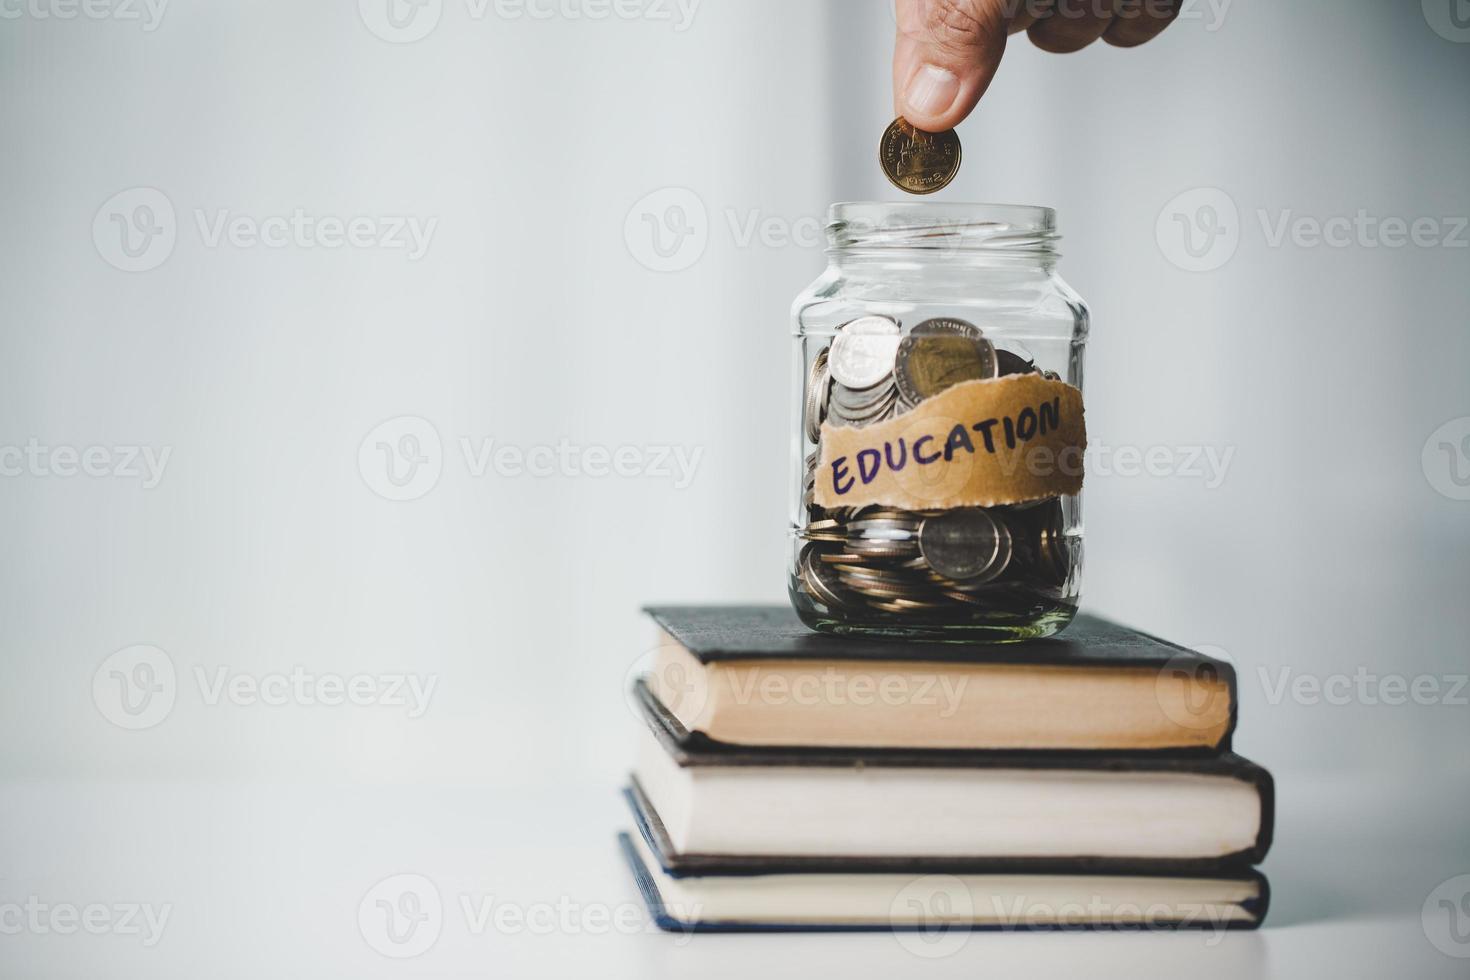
(979, 444)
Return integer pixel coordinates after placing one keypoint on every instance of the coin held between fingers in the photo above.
(916, 161)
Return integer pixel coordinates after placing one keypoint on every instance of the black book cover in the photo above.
(690, 749)
(721, 633)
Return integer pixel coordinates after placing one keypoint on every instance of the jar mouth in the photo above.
(1017, 229)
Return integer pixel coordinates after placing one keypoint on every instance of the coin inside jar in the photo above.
(1008, 363)
(938, 354)
(963, 544)
(1054, 560)
(818, 383)
(820, 581)
(916, 161)
(940, 326)
(863, 351)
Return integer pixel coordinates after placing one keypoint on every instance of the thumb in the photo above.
(945, 55)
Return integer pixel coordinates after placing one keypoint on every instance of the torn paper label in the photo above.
(979, 444)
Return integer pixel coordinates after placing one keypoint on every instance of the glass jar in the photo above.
(940, 437)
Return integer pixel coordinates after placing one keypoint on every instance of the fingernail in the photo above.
(932, 90)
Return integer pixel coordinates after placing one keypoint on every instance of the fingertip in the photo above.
(931, 97)
(935, 94)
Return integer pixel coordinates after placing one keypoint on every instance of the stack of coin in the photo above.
(809, 489)
(1045, 547)
(873, 373)
(860, 360)
(818, 392)
(939, 563)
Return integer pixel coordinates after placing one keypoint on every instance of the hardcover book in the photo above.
(1145, 810)
(755, 676)
(756, 898)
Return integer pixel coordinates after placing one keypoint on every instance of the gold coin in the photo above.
(927, 365)
(916, 161)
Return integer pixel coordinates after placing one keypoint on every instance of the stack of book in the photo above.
(791, 780)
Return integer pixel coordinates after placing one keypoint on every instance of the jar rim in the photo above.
(1021, 229)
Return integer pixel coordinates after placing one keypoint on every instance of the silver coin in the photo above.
(963, 544)
(817, 385)
(862, 413)
(896, 534)
(858, 420)
(863, 351)
(864, 392)
(882, 549)
(1053, 548)
(863, 421)
(872, 416)
(882, 527)
(1005, 551)
(884, 404)
(821, 584)
(861, 396)
(847, 400)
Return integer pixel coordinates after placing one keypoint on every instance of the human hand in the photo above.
(947, 51)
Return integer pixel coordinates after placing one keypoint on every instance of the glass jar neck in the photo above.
(895, 237)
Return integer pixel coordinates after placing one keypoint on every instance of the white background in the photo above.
(533, 317)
